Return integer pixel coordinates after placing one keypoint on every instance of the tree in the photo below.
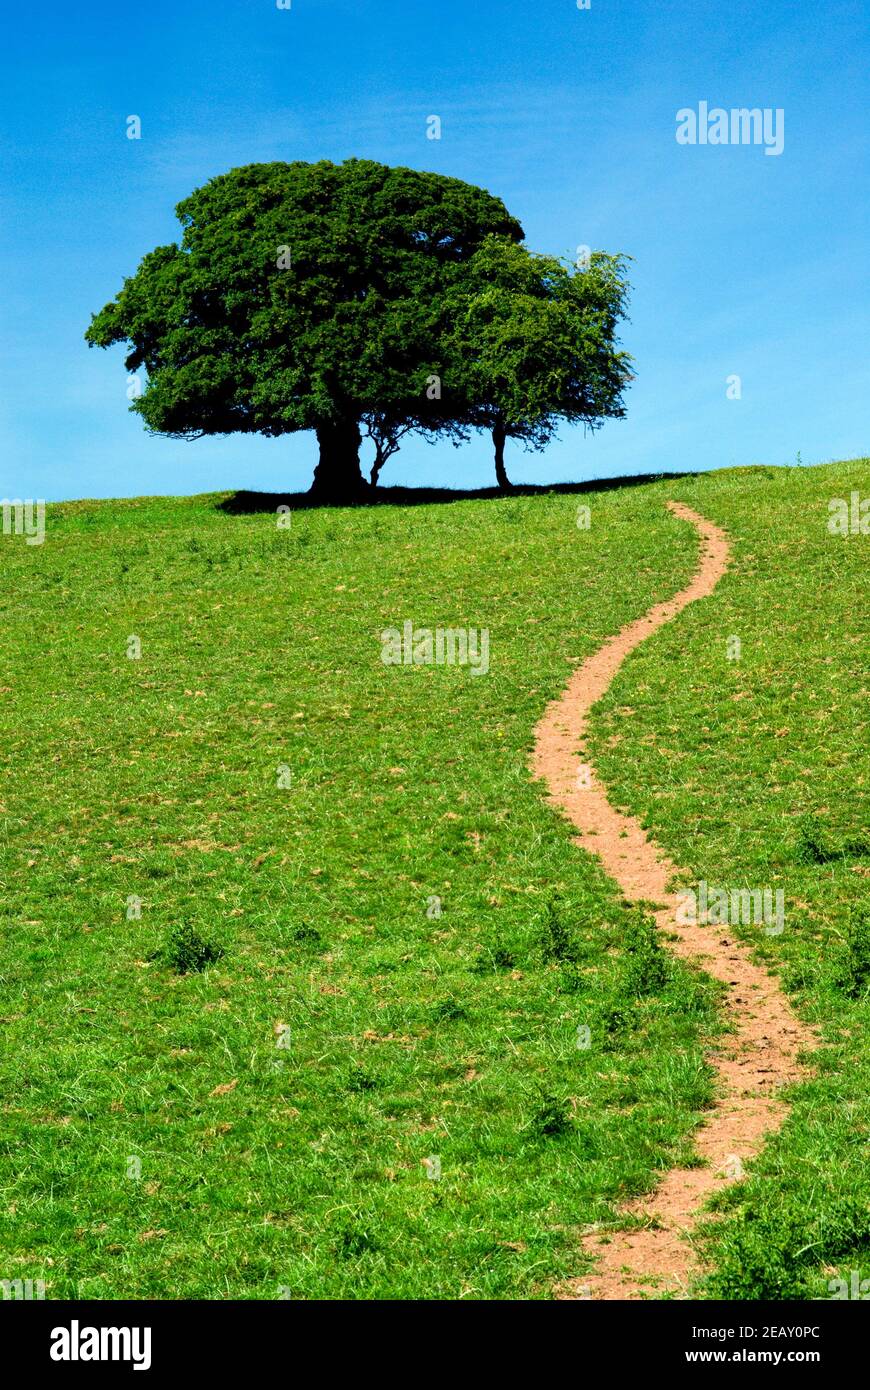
(533, 342)
(386, 436)
(386, 432)
(304, 297)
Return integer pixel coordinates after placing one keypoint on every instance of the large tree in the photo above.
(532, 342)
(304, 297)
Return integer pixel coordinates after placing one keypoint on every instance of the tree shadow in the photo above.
(244, 502)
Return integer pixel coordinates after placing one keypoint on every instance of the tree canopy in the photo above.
(337, 298)
(532, 342)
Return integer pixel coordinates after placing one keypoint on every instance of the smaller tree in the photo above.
(534, 342)
(386, 432)
(386, 436)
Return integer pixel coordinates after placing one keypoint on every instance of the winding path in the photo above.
(655, 1255)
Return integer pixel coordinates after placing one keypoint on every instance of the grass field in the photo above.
(249, 1090)
(755, 773)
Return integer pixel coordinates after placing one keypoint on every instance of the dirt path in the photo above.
(753, 1062)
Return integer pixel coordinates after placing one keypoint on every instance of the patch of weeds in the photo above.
(617, 1021)
(684, 1079)
(815, 845)
(773, 1256)
(493, 958)
(853, 965)
(187, 951)
(448, 1010)
(359, 1080)
(306, 935)
(801, 976)
(552, 1117)
(355, 1240)
(573, 979)
(812, 846)
(557, 943)
(646, 968)
(756, 1264)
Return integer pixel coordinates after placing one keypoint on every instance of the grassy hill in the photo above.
(294, 957)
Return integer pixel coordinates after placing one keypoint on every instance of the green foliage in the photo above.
(647, 968)
(534, 341)
(617, 1021)
(187, 951)
(811, 846)
(854, 964)
(329, 297)
(786, 1254)
(232, 340)
(552, 1117)
(814, 844)
(557, 939)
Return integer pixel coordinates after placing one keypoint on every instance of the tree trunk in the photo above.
(499, 435)
(337, 477)
(380, 460)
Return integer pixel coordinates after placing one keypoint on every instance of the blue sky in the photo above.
(744, 264)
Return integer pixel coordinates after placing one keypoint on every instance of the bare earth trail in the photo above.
(757, 1059)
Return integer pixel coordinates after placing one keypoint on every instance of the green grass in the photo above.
(289, 1034)
(754, 773)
